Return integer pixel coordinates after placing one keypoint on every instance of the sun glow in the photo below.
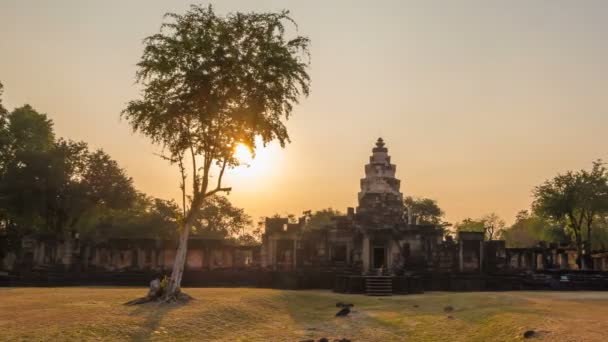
(243, 154)
(256, 167)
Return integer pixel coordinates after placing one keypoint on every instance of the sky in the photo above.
(477, 101)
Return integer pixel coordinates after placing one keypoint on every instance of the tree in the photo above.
(470, 225)
(211, 83)
(49, 186)
(220, 218)
(4, 136)
(27, 137)
(321, 218)
(490, 224)
(493, 226)
(3, 110)
(146, 217)
(576, 198)
(425, 210)
(529, 228)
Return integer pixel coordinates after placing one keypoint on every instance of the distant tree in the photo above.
(576, 198)
(220, 218)
(425, 210)
(493, 226)
(490, 224)
(529, 228)
(209, 84)
(248, 239)
(146, 217)
(25, 169)
(3, 110)
(106, 182)
(470, 225)
(321, 218)
(4, 135)
(49, 186)
(60, 188)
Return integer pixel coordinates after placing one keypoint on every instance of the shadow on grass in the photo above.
(154, 314)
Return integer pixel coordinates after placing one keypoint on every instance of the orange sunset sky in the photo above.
(478, 101)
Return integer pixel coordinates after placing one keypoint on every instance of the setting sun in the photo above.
(256, 163)
(243, 154)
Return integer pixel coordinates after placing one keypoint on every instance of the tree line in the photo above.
(570, 208)
(56, 187)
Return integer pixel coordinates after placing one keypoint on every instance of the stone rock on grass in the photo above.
(529, 334)
(448, 308)
(344, 312)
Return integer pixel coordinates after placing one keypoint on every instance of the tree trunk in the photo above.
(587, 259)
(173, 289)
(579, 250)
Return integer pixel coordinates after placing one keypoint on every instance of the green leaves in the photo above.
(574, 196)
(211, 82)
(426, 210)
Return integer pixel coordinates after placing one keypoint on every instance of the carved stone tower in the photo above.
(380, 200)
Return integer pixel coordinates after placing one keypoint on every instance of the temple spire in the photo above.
(380, 146)
(380, 190)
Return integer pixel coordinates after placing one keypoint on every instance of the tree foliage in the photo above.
(321, 219)
(490, 224)
(529, 228)
(576, 198)
(425, 210)
(219, 218)
(48, 186)
(52, 186)
(210, 83)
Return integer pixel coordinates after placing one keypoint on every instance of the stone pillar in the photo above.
(461, 256)
(366, 254)
(348, 251)
(273, 253)
(264, 254)
(295, 247)
(481, 256)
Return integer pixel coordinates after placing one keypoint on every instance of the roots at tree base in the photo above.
(155, 294)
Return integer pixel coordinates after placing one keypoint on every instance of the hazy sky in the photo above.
(478, 101)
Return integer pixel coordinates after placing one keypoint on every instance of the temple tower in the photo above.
(380, 200)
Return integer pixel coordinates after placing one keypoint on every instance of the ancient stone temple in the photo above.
(378, 247)
(388, 239)
(375, 238)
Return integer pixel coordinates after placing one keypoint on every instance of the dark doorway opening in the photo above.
(378, 256)
(339, 253)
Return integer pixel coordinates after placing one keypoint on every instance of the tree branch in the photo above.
(183, 183)
(216, 190)
(194, 171)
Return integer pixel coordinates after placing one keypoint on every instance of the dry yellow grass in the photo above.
(243, 314)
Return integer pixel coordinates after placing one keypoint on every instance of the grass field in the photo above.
(244, 314)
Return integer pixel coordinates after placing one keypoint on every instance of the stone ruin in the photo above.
(375, 248)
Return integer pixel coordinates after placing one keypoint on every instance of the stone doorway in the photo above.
(379, 257)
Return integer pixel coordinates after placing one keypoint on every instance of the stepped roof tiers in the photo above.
(380, 199)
